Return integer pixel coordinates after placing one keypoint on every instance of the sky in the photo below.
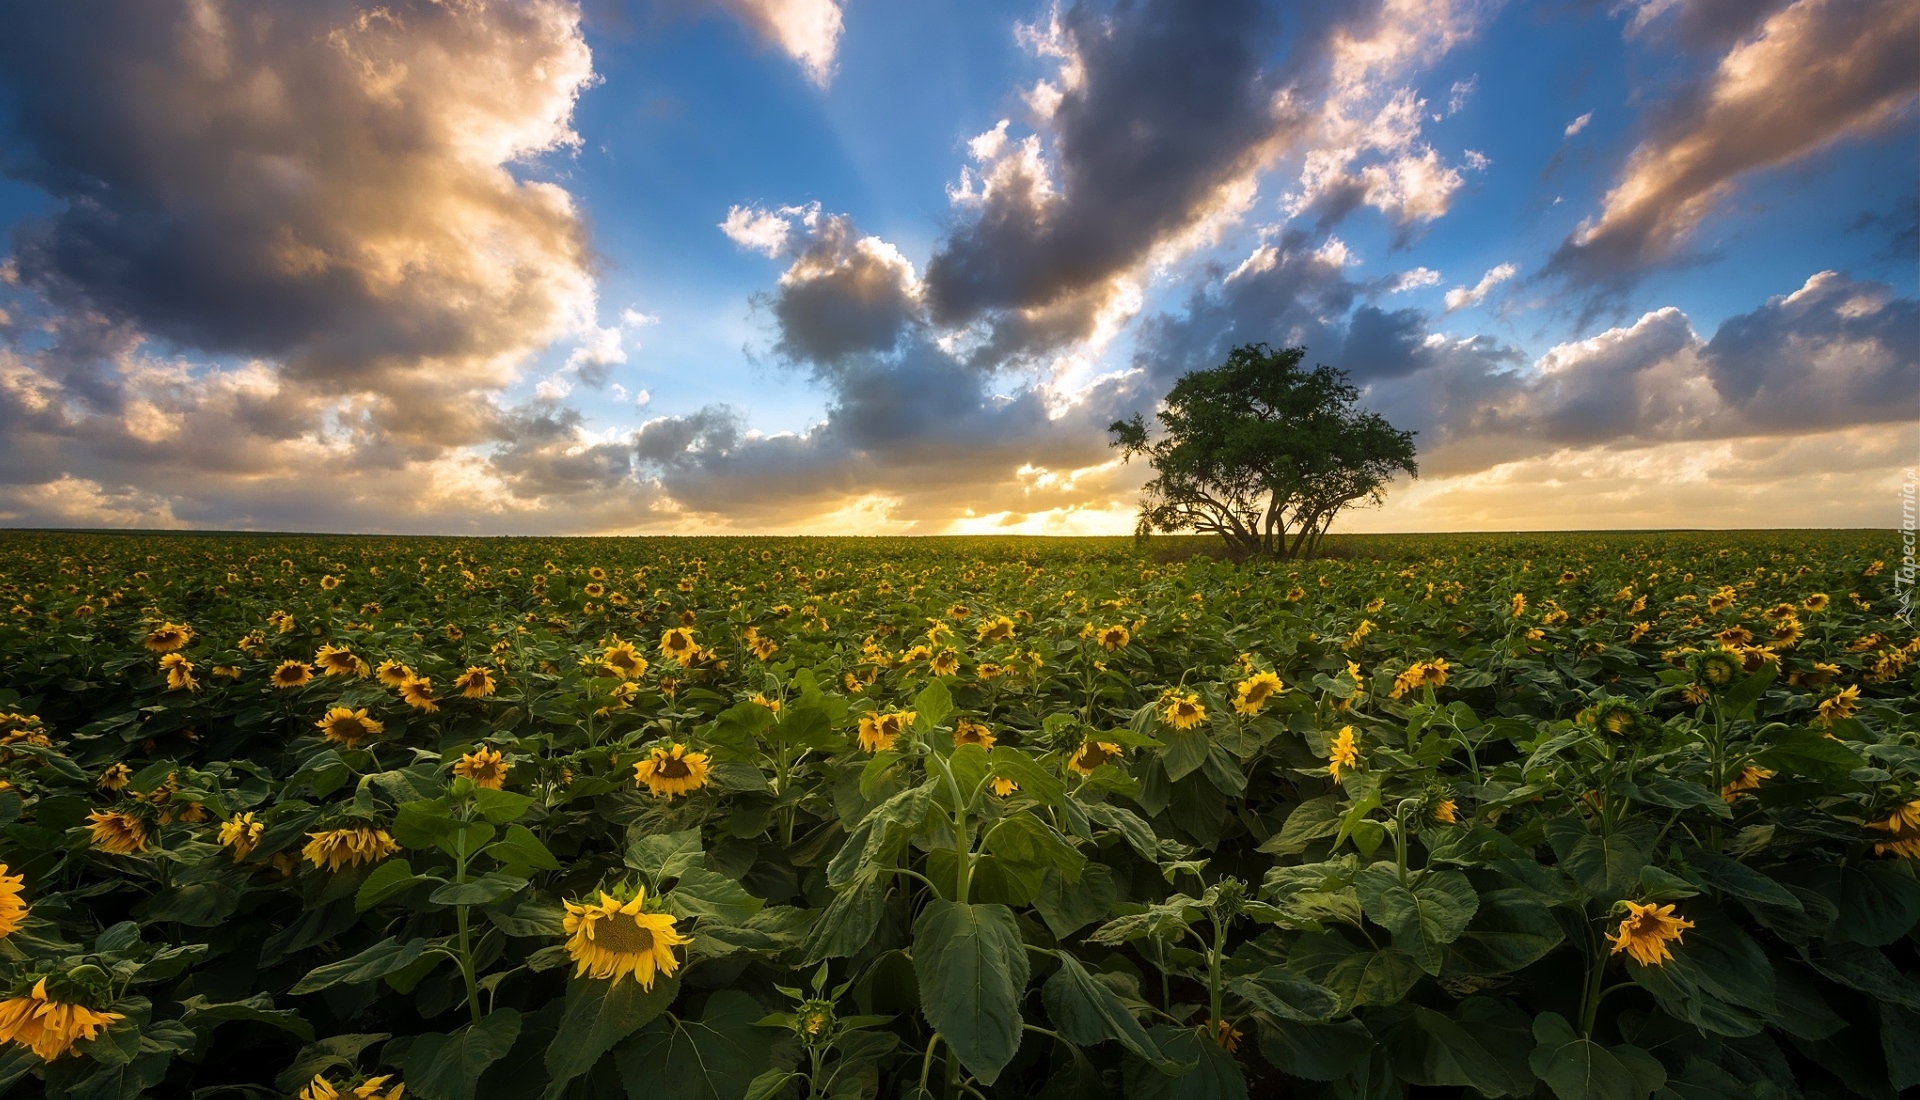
(869, 267)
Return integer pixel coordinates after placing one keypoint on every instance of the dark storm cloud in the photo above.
(1811, 74)
(843, 296)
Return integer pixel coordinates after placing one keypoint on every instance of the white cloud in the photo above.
(1460, 297)
(808, 30)
(1579, 124)
(1413, 280)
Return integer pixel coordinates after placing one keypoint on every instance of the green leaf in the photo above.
(381, 959)
(255, 1009)
(1423, 918)
(664, 856)
(1372, 977)
(882, 833)
(770, 1085)
(391, 879)
(1606, 867)
(1581, 1069)
(1024, 839)
(932, 706)
(448, 1067)
(1283, 995)
(1215, 1074)
(805, 724)
(1485, 1050)
(522, 851)
(598, 1015)
(704, 893)
(1087, 1012)
(972, 969)
(848, 922)
(1811, 753)
(1184, 752)
(500, 807)
(1317, 1052)
(1879, 901)
(488, 889)
(1035, 781)
(714, 1058)
(1310, 821)
(1511, 930)
(1067, 908)
(329, 1054)
(1730, 876)
(1676, 795)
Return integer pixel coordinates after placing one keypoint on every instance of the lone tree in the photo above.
(1263, 453)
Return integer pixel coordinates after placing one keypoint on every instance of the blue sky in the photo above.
(462, 267)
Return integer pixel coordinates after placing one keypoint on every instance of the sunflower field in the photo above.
(1594, 817)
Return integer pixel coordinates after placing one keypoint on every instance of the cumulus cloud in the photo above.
(325, 186)
(1578, 124)
(1811, 74)
(758, 229)
(1461, 297)
(296, 254)
(843, 295)
(1413, 280)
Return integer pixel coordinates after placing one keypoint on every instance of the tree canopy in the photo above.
(1263, 452)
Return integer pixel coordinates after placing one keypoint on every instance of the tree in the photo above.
(1263, 453)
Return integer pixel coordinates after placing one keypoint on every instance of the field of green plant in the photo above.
(1585, 816)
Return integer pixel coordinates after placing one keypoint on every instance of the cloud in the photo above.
(1152, 127)
(844, 294)
(1413, 280)
(1814, 73)
(1460, 297)
(765, 231)
(329, 188)
(808, 30)
(1578, 124)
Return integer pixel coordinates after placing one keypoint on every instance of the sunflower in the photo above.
(1182, 712)
(1904, 825)
(1519, 604)
(671, 772)
(968, 732)
(997, 629)
(1226, 1036)
(1091, 754)
(13, 911)
(1002, 786)
(337, 848)
(1252, 693)
(292, 674)
(1618, 718)
(418, 694)
(168, 637)
(119, 833)
(349, 727)
(115, 778)
(48, 1027)
(677, 645)
(485, 767)
(241, 833)
(1816, 602)
(1716, 668)
(1445, 812)
(1645, 931)
(759, 699)
(1112, 637)
(763, 647)
(392, 673)
(339, 661)
(944, 663)
(1748, 779)
(319, 1089)
(608, 940)
(372, 1089)
(1345, 753)
(878, 732)
(475, 683)
(624, 660)
(1840, 704)
(179, 672)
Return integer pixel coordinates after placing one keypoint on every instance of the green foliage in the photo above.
(1263, 453)
(923, 823)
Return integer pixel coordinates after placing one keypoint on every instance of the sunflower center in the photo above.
(672, 768)
(623, 935)
(348, 728)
